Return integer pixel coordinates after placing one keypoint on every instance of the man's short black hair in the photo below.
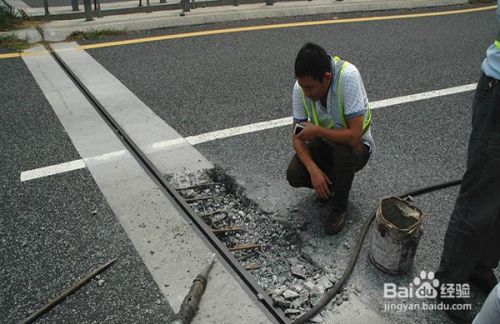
(312, 60)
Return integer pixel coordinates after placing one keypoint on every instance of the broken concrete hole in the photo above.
(268, 247)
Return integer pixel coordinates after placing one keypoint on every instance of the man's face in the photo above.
(315, 89)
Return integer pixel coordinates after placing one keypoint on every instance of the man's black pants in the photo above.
(338, 162)
(472, 240)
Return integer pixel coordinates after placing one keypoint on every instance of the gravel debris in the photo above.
(298, 270)
(290, 294)
(286, 272)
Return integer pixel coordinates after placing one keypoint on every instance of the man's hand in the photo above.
(321, 183)
(309, 132)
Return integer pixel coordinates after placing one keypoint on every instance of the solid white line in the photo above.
(107, 156)
(422, 96)
(229, 132)
(52, 169)
(67, 166)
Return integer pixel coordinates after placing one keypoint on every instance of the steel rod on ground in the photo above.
(66, 293)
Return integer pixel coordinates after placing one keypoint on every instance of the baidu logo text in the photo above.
(423, 286)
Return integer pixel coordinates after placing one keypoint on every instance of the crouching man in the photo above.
(334, 142)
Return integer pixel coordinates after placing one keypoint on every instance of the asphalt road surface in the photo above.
(57, 229)
(210, 83)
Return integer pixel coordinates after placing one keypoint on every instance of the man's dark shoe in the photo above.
(335, 222)
(457, 309)
(485, 282)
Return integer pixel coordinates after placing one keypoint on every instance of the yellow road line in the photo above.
(9, 55)
(281, 26)
(267, 27)
(23, 54)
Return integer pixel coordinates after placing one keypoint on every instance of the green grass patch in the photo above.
(94, 34)
(12, 42)
(8, 18)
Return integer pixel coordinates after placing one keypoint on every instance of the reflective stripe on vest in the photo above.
(330, 123)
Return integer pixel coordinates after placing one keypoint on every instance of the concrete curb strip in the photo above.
(29, 34)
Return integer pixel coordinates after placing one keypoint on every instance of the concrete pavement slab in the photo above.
(30, 34)
(167, 243)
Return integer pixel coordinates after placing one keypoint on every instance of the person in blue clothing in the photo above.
(472, 242)
(490, 312)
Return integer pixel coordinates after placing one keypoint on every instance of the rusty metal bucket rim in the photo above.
(409, 230)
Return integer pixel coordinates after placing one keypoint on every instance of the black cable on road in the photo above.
(355, 253)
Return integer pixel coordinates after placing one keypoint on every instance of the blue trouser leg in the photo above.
(490, 312)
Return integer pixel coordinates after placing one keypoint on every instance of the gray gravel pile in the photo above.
(279, 260)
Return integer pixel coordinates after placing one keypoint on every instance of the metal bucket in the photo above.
(396, 235)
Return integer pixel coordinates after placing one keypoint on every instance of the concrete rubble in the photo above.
(280, 263)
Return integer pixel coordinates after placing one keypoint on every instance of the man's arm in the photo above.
(348, 136)
(319, 180)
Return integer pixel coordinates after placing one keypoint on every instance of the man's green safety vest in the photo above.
(497, 41)
(338, 109)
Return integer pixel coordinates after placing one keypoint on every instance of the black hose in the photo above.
(355, 253)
